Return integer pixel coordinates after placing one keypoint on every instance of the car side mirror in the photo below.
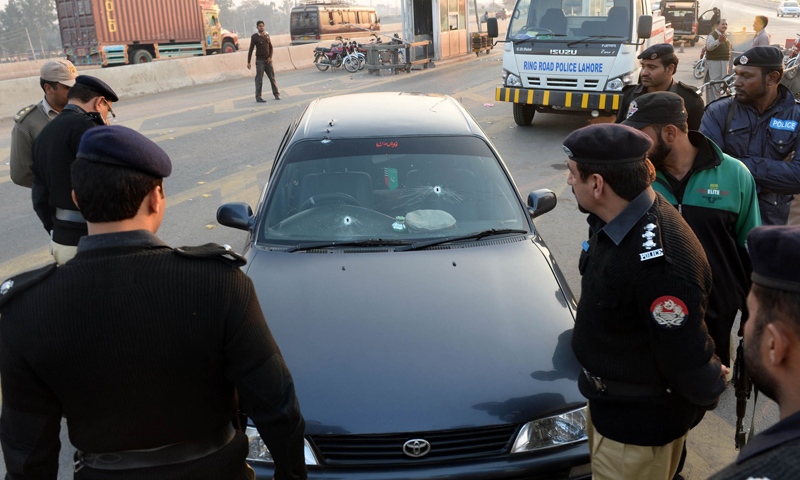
(237, 215)
(541, 201)
(645, 27)
(491, 27)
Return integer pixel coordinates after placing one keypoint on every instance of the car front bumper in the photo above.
(560, 99)
(561, 463)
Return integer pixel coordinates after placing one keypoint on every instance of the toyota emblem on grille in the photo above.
(416, 447)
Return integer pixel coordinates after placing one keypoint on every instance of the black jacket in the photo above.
(263, 46)
(644, 290)
(693, 102)
(54, 150)
(140, 346)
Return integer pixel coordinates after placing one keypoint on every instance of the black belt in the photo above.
(623, 389)
(154, 457)
(69, 215)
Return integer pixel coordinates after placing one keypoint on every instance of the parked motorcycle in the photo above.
(325, 58)
(725, 86)
(792, 54)
(700, 65)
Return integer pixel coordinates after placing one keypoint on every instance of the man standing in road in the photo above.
(55, 77)
(54, 150)
(648, 362)
(772, 354)
(718, 58)
(263, 45)
(714, 193)
(140, 346)
(762, 38)
(759, 126)
(659, 64)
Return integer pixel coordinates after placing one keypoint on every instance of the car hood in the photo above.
(389, 342)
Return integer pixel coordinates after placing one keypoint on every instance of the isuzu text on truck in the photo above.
(116, 32)
(574, 55)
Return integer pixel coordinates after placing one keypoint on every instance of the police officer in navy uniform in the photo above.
(772, 354)
(649, 364)
(139, 345)
(759, 126)
(659, 64)
(54, 150)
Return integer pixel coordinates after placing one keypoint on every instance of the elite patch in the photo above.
(669, 312)
(788, 125)
(632, 108)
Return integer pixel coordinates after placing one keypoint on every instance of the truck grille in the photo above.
(388, 449)
(563, 83)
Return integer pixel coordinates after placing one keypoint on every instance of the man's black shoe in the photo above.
(277, 97)
(260, 100)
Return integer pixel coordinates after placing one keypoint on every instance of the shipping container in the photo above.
(114, 32)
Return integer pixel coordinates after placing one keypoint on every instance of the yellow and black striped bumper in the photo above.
(560, 98)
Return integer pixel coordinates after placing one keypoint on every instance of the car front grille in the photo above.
(388, 449)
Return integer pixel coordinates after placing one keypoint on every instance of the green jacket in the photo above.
(717, 198)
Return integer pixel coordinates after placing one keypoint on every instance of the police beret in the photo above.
(657, 51)
(760, 57)
(118, 145)
(656, 108)
(607, 143)
(97, 85)
(775, 255)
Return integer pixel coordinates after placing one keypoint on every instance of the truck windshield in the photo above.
(569, 20)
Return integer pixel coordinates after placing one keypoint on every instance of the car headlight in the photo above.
(260, 453)
(551, 432)
(511, 80)
(618, 83)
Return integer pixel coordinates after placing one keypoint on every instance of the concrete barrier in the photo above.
(302, 56)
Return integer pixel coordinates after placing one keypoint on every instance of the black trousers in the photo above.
(263, 66)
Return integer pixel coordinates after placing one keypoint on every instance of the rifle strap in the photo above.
(753, 420)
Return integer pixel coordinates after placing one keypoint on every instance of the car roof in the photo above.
(383, 114)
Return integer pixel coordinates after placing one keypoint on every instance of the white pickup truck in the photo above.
(574, 56)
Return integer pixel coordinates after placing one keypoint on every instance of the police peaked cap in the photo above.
(98, 86)
(760, 57)
(658, 50)
(607, 144)
(118, 145)
(775, 254)
(656, 108)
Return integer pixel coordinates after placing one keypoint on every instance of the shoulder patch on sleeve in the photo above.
(24, 113)
(669, 312)
(23, 281)
(213, 250)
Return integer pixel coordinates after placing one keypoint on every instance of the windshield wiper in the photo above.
(372, 242)
(529, 38)
(471, 236)
(593, 37)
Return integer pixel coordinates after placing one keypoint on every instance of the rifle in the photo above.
(742, 386)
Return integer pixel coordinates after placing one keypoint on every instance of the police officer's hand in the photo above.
(725, 372)
(789, 157)
(248, 65)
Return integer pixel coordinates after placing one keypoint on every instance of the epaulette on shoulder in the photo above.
(23, 281)
(24, 113)
(717, 100)
(213, 250)
(691, 88)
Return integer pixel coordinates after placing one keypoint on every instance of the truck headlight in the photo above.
(260, 453)
(618, 83)
(511, 80)
(550, 432)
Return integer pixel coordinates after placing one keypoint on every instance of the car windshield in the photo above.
(399, 189)
(790, 4)
(569, 20)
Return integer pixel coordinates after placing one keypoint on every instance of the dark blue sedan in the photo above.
(426, 325)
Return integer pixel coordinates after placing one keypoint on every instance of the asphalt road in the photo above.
(222, 146)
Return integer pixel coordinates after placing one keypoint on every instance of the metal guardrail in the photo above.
(377, 52)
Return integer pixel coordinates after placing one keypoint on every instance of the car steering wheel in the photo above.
(329, 198)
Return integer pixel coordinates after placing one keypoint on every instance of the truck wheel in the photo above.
(523, 114)
(142, 56)
(692, 42)
(228, 47)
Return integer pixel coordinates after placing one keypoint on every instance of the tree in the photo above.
(37, 16)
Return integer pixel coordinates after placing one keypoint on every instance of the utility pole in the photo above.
(30, 44)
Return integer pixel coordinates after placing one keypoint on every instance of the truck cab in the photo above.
(218, 39)
(574, 56)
